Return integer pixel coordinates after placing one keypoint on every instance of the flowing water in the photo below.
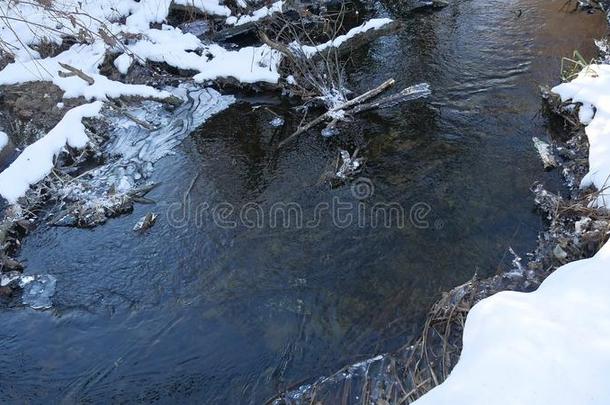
(211, 307)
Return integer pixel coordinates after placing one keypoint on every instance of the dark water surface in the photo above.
(195, 312)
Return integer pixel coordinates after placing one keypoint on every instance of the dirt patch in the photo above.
(30, 110)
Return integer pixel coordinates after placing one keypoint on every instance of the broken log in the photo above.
(361, 39)
(344, 48)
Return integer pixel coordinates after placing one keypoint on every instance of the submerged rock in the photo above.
(146, 222)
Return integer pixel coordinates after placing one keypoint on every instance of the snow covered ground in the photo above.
(134, 32)
(551, 346)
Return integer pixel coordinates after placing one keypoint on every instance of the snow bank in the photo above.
(247, 65)
(51, 23)
(551, 346)
(167, 45)
(36, 161)
(592, 88)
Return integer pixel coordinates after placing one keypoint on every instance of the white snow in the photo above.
(256, 15)
(592, 88)
(247, 65)
(51, 23)
(3, 140)
(36, 160)
(586, 114)
(211, 7)
(168, 45)
(551, 346)
(373, 24)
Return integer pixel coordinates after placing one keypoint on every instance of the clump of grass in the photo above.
(571, 67)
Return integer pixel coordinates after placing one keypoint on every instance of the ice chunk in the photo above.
(277, 122)
(38, 291)
(3, 140)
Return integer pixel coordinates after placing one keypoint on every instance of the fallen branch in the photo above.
(115, 106)
(408, 94)
(75, 72)
(357, 105)
(330, 114)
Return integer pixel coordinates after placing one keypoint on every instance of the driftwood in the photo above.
(358, 105)
(408, 94)
(75, 72)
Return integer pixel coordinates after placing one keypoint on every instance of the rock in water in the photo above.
(145, 222)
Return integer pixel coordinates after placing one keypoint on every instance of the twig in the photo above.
(75, 72)
(129, 115)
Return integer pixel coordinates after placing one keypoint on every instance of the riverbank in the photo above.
(551, 343)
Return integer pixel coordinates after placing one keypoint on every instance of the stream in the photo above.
(209, 306)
